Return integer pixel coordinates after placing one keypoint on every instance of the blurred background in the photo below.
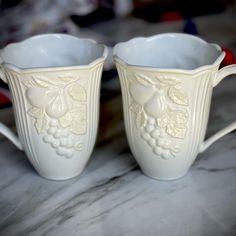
(23, 18)
(112, 21)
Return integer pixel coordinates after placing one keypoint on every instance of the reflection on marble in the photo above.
(113, 198)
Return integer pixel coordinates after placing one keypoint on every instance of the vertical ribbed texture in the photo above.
(200, 105)
(23, 126)
(126, 102)
(94, 101)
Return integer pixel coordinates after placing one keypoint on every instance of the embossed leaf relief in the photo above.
(58, 107)
(174, 122)
(159, 105)
(178, 96)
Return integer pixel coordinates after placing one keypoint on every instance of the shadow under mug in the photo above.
(167, 82)
(54, 81)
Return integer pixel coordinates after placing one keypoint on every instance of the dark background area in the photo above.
(23, 18)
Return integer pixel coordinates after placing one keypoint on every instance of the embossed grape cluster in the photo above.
(156, 138)
(57, 137)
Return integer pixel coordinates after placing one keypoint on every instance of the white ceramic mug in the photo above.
(167, 82)
(54, 81)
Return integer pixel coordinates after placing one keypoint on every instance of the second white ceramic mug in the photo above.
(167, 82)
(54, 81)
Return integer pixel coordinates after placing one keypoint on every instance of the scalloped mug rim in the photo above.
(53, 68)
(174, 70)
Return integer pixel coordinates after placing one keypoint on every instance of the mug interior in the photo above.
(168, 51)
(52, 50)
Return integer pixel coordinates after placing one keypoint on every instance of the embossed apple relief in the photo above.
(58, 107)
(160, 107)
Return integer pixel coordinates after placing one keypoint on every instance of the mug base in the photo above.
(60, 178)
(165, 178)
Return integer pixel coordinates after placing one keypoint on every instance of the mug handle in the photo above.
(221, 74)
(4, 130)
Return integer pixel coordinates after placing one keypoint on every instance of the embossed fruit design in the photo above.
(150, 95)
(59, 110)
(157, 105)
(57, 107)
(140, 93)
(59, 138)
(38, 97)
(156, 138)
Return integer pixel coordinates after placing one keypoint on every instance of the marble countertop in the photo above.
(112, 197)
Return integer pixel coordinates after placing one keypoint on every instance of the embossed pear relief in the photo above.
(58, 107)
(160, 108)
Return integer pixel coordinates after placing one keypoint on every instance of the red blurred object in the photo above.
(171, 16)
(229, 57)
(4, 99)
